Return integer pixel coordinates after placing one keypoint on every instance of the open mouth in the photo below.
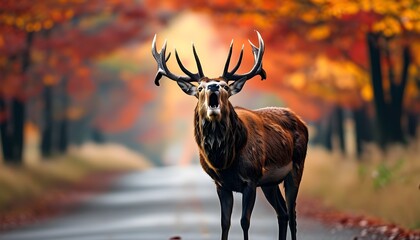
(214, 100)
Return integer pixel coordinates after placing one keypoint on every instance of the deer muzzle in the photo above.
(213, 104)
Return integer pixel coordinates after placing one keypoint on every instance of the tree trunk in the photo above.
(378, 91)
(63, 136)
(396, 133)
(339, 128)
(388, 113)
(362, 128)
(316, 140)
(324, 131)
(18, 109)
(6, 136)
(327, 134)
(47, 134)
(412, 123)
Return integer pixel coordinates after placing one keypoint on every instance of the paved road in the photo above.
(162, 203)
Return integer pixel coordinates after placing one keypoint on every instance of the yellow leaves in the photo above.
(341, 82)
(297, 80)
(309, 16)
(408, 25)
(395, 14)
(28, 22)
(366, 5)
(319, 1)
(319, 32)
(410, 14)
(19, 22)
(339, 8)
(367, 93)
(260, 20)
(410, 19)
(386, 7)
(286, 9)
(33, 27)
(389, 26)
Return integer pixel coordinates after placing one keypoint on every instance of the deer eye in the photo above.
(226, 87)
(200, 88)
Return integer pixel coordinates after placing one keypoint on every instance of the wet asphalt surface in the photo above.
(162, 203)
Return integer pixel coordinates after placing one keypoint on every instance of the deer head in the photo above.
(212, 93)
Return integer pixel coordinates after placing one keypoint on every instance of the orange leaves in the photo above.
(297, 80)
(319, 33)
(34, 16)
(335, 82)
(389, 26)
(367, 93)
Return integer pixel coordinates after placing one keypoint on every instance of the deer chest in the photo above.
(234, 178)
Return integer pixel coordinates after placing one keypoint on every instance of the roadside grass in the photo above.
(381, 185)
(18, 184)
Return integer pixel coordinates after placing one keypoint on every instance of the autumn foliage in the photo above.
(48, 51)
(357, 56)
(328, 60)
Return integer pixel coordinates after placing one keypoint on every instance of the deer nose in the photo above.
(213, 87)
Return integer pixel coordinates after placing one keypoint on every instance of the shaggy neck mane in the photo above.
(219, 140)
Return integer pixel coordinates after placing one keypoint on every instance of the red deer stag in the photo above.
(243, 149)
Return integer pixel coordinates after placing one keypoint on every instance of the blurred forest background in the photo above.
(75, 71)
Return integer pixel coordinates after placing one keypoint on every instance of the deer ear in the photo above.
(187, 87)
(236, 86)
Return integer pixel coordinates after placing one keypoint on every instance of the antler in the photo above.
(256, 69)
(164, 71)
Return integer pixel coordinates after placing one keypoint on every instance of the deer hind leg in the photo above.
(276, 200)
(291, 186)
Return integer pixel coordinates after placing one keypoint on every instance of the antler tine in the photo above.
(190, 74)
(226, 69)
(167, 58)
(254, 50)
(257, 69)
(239, 61)
(197, 61)
(195, 77)
(163, 70)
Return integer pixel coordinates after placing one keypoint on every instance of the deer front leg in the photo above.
(248, 201)
(226, 206)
